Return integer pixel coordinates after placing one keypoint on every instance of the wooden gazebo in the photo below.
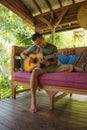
(47, 16)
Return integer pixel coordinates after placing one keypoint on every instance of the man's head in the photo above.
(35, 36)
(38, 40)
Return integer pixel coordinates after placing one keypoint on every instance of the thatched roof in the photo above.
(44, 15)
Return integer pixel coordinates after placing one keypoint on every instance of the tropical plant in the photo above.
(13, 31)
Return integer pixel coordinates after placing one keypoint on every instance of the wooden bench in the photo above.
(51, 90)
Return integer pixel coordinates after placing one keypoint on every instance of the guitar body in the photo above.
(30, 66)
(38, 56)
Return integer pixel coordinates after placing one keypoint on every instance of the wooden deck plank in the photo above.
(68, 114)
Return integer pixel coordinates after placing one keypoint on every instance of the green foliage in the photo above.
(5, 92)
(3, 83)
(23, 36)
(60, 41)
(68, 39)
(13, 31)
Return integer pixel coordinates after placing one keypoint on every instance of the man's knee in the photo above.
(36, 72)
(71, 67)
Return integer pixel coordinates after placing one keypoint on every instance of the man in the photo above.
(49, 65)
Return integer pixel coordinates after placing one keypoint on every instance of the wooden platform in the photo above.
(70, 113)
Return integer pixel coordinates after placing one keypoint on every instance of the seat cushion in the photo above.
(64, 79)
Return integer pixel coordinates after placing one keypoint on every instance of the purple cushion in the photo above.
(65, 79)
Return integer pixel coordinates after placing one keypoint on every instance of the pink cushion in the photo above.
(65, 79)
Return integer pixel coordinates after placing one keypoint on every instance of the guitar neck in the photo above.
(50, 56)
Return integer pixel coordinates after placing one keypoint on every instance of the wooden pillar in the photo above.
(54, 25)
(53, 35)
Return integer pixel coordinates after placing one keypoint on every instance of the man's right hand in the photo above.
(30, 59)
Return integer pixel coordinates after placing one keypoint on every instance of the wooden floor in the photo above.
(70, 113)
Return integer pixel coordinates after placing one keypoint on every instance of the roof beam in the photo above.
(59, 1)
(58, 10)
(38, 7)
(45, 21)
(49, 5)
(73, 1)
(61, 16)
(19, 8)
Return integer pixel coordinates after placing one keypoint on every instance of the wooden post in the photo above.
(53, 35)
(54, 25)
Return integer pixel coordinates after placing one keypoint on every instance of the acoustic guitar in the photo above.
(37, 57)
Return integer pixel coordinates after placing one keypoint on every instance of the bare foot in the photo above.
(33, 110)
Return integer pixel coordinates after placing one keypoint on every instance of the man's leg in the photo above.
(34, 85)
(65, 68)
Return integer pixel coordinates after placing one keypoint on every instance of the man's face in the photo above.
(39, 42)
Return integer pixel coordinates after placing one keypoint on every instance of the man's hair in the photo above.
(35, 36)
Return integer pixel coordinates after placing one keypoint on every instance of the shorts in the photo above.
(57, 68)
(54, 68)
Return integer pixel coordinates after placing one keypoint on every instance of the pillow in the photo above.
(81, 62)
(73, 58)
(81, 59)
(63, 59)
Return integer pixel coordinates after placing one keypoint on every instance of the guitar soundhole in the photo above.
(35, 60)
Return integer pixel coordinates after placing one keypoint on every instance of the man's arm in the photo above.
(47, 63)
(24, 54)
(55, 61)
